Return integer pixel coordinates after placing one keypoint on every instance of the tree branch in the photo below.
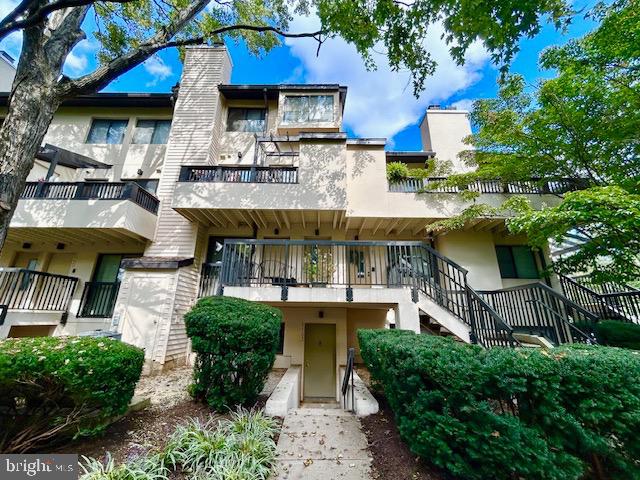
(103, 75)
(14, 22)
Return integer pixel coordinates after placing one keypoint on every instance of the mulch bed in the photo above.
(139, 432)
(150, 429)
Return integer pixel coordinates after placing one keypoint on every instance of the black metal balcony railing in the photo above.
(248, 174)
(92, 191)
(434, 185)
(22, 289)
(98, 299)
(358, 264)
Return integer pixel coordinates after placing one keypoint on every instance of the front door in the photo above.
(319, 360)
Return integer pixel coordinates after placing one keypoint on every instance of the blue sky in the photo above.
(394, 113)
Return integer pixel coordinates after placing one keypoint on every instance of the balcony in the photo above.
(33, 291)
(326, 264)
(434, 185)
(98, 299)
(92, 191)
(85, 211)
(221, 174)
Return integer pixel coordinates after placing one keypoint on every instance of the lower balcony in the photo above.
(98, 299)
(323, 264)
(85, 211)
(30, 298)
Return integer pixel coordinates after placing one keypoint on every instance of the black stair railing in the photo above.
(487, 326)
(537, 309)
(622, 306)
(347, 380)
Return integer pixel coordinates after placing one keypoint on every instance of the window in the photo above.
(107, 131)
(516, 262)
(281, 340)
(152, 131)
(246, 120)
(308, 109)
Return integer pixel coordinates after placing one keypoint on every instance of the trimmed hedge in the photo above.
(505, 413)
(615, 333)
(236, 342)
(57, 388)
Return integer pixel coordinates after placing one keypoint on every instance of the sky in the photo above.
(394, 114)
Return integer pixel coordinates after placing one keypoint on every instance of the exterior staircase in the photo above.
(529, 315)
(612, 302)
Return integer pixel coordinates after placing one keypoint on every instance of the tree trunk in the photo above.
(30, 113)
(35, 97)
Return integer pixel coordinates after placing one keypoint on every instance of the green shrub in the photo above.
(236, 343)
(504, 413)
(615, 333)
(56, 388)
(397, 171)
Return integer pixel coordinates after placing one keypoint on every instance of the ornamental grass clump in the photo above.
(55, 389)
(241, 448)
(236, 342)
(568, 413)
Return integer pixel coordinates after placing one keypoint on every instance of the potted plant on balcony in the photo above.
(319, 266)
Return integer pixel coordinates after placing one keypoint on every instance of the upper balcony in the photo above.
(303, 173)
(104, 211)
(532, 187)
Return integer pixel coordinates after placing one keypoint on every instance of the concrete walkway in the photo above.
(322, 444)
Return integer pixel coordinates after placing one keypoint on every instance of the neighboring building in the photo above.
(7, 71)
(251, 191)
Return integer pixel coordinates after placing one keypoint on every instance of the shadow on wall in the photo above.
(321, 177)
(363, 160)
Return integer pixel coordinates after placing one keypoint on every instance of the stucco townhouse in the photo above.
(139, 204)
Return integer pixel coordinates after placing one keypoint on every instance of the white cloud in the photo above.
(381, 103)
(159, 70)
(76, 62)
(464, 104)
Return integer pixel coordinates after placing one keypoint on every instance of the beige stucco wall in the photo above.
(232, 143)
(443, 132)
(368, 192)
(99, 214)
(321, 185)
(70, 129)
(363, 318)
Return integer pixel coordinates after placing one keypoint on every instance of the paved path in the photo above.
(323, 444)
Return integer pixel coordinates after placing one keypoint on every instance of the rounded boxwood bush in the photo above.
(236, 342)
(57, 388)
